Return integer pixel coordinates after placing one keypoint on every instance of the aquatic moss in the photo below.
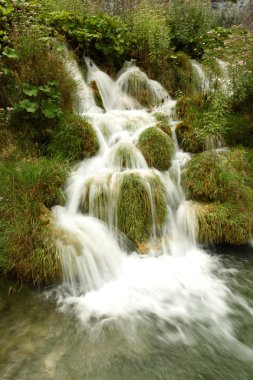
(73, 138)
(95, 200)
(163, 123)
(27, 244)
(212, 177)
(187, 139)
(156, 147)
(137, 86)
(223, 223)
(134, 215)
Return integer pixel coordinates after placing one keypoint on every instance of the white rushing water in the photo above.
(175, 282)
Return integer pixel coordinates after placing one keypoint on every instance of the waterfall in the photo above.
(104, 277)
(204, 82)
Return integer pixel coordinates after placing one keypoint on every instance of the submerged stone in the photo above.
(157, 148)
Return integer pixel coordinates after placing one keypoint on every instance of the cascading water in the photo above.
(175, 284)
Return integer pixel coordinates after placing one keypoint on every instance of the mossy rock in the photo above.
(223, 223)
(74, 139)
(96, 93)
(163, 123)
(157, 148)
(136, 84)
(27, 245)
(95, 199)
(134, 213)
(186, 138)
(212, 177)
(133, 210)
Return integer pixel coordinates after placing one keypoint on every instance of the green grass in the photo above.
(27, 245)
(223, 223)
(73, 139)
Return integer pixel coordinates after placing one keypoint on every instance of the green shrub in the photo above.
(188, 21)
(73, 138)
(148, 21)
(187, 139)
(157, 148)
(223, 223)
(27, 247)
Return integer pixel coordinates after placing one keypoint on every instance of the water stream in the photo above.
(169, 314)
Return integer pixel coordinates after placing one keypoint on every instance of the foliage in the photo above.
(188, 21)
(214, 121)
(156, 147)
(151, 31)
(104, 38)
(73, 139)
(27, 244)
(187, 138)
(40, 101)
(223, 223)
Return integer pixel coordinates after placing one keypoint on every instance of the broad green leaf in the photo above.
(10, 53)
(28, 105)
(31, 91)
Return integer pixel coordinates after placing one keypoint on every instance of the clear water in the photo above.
(40, 341)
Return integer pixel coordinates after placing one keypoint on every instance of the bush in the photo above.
(73, 139)
(156, 147)
(188, 21)
(187, 139)
(223, 223)
(27, 247)
(151, 32)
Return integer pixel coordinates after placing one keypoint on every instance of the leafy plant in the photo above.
(41, 101)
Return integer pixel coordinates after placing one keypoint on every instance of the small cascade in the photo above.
(225, 80)
(85, 100)
(118, 205)
(136, 83)
(111, 94)
(204, 82)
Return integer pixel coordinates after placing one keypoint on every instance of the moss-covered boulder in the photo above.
(163, 123)
(187, 139)
(157, 148)
(136, 84)
(27, 245)
(223, 223)
(211, 177)
(131, 196)
(74, 139)
(134, 210)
